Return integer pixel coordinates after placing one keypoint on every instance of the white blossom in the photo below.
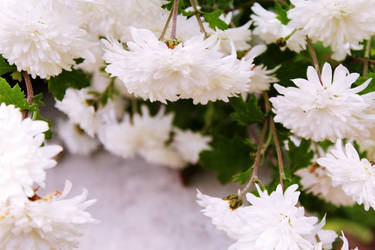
(51, 222)
(315, 180)
(44, 39)
(326, 109)
(345, 245)
(75, 139)
(337, 23)
(23, 159)
(270, 29)
(355, 176)
(189, 144)
(163, 155)
(270, 222)
(78, 109)
(192, 69)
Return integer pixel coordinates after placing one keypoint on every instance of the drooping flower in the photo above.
(325, 109)
(189, 144)
(337, 23)
(270, 222)
(315, 180)
(44, 40)
(270, 29)
(77, 107)
(354, 175)
(23, 159)
(46, 223)
(192, 69)
(75, 139)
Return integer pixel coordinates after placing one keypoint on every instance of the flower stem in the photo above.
(194, 3)
(29, 89)
(255, 167)
(367, 57)
(313, 55)
(161, 37)
(174, 19)
(276, 141)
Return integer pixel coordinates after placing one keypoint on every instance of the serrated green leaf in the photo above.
(243, 177)
(213, 19)
(371, 87)
(246, 113)
(282, 13)
(15, 95)
(299, 156)
(227, 157)
(5, 67)
(75, 79)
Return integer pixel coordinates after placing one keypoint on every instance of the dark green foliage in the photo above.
(228, 157)
(299, 156)
(246, 113)
(75, 79)
(5, 67)
(213, 19)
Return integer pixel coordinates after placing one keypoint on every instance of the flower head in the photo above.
(326, 109)
(355, 176)
(337, 23)
(44, 40)
(23, 159)
(51, 222)
(192, 69)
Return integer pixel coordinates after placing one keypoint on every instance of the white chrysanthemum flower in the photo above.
(189, 144)
(222, 216)
(337, 23)
(78, 109)
(315, 180)
(262, 78)
(355, 176)
(23, 159)
(326, 109)
(48, 223)
(75, 139)
(270, 29)
(270, 222)
(44, 40)
(368, 145)
(142, 132)
(345, 245)
(322, 239)
(164, 156)
(192, 69)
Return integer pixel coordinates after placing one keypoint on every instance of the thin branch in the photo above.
(194, 3)
(367, 57)
(174, 19)
(166, 25)
(276, 141)
(30, 92)
(362, 60)
(313, 55)
(255, 167)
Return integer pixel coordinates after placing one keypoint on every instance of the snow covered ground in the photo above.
(140, 206)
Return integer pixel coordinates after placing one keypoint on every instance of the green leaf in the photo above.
(282, 12)
(75, 79)
(213, 19)
(243, 177)
(299, 156)
(15, 95)
(227, 157)
(5, 67)
(246, 113)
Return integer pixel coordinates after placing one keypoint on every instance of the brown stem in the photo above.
(174, 19)
(194, 3)
(30, 92)
(276, 142)
(367, 57)
(255, 167)
(313, 55)
(362, 60)
(166, 25)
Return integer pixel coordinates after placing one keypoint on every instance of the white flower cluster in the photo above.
(28, 221)
(339, 24)
(271, 221)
